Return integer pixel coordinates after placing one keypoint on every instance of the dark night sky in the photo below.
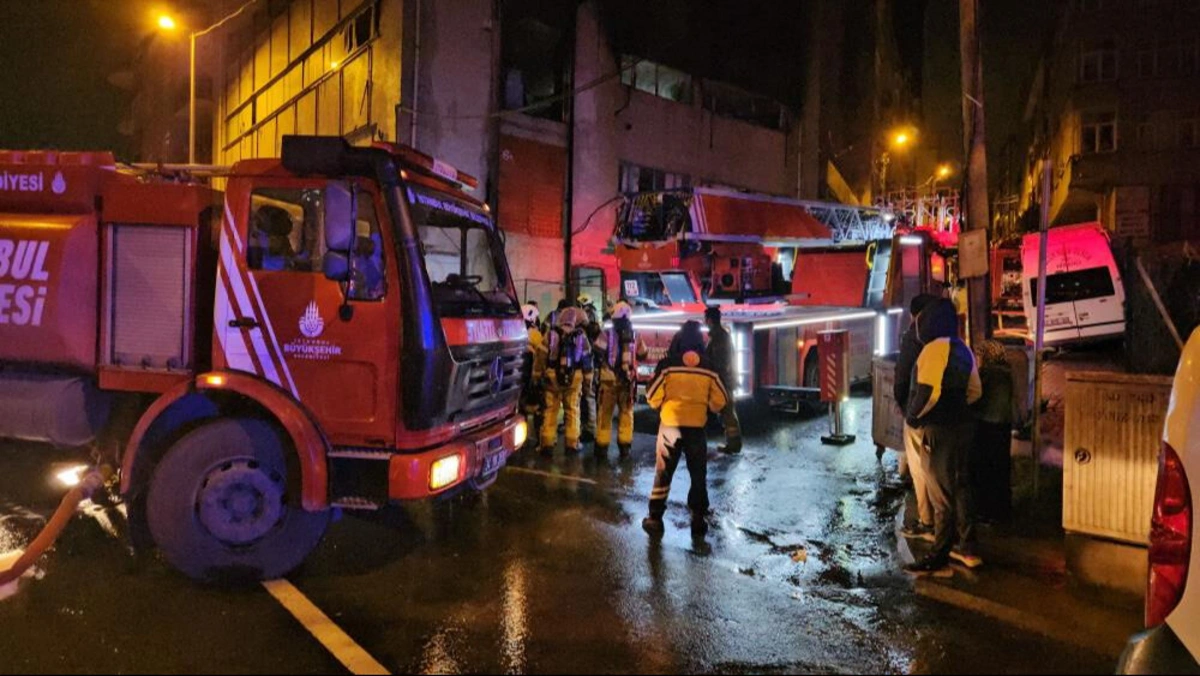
(57, 56)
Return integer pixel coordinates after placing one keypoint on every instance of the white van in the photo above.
(1085, 299)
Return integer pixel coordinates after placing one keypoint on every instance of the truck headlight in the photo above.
(520, 434)
(444, 472)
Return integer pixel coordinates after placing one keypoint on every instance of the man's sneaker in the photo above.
(733, 447)
(971, 561)
(653, 526)
(929, 567)
(918, 531)
(623, 450)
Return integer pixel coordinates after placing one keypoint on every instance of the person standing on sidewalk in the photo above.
(618, 350)
(720, 356)
(919, 525)
(684, 392)
(991, 470)
(945, 384)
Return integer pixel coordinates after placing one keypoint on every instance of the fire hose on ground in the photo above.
(87, 485)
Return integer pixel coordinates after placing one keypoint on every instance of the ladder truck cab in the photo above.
(783, 271)
(339, 328)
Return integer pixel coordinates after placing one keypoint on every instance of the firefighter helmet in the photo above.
(530, 313)
(584, 300)
(621, 310)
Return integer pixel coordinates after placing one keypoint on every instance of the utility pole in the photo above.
(975, 148)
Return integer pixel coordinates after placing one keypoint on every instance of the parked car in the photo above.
(1171, 644)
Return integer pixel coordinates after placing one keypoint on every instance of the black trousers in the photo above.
(945, 453)
(691, 443)
(991, 471)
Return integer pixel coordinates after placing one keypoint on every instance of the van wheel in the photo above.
(218, 509)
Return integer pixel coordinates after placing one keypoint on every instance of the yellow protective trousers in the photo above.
(618, 396)
(565, 398)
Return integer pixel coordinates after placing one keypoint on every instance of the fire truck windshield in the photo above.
(654, 290)
(463, 255)
(654, 216)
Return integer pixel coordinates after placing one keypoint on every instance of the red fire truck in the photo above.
(782, 269)
(337, 329)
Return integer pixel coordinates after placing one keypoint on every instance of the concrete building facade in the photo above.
(533, 101)
(1115, 107)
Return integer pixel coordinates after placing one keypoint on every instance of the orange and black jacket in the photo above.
(685, 390)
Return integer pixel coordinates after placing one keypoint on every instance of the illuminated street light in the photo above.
(944, 171)
(901, 139)
(166, 23)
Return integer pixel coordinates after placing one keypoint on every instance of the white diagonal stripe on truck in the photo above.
(247, 310)
(277, 356)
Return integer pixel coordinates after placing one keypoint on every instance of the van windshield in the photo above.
(463, 255)
(1068, 287)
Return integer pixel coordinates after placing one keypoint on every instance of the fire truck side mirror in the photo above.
(340, 231)
(340, 217)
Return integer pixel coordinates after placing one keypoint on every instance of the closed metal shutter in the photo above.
(149, 302)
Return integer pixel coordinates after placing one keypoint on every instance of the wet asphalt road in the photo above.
(543, 574)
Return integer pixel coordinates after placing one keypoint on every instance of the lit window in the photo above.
(656, 79)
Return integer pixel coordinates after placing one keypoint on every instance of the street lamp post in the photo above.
(167, 23)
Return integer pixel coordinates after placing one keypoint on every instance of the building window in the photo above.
(1098, 63)
(728, 101)
(1188, 131)
(656, 79)
(636, 178)
(1144, 136)
(1098, 132)
(1189, 57)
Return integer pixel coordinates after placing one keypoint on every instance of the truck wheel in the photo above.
(218, 508)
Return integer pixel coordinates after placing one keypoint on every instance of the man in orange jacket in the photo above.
(684, 391)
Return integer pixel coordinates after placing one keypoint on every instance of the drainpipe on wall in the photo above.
(492, 194)
(569, 186)
(416, 97)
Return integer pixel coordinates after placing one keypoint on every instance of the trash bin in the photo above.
(887, 420)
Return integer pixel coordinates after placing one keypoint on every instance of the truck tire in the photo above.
(812, 374)
(218, 510)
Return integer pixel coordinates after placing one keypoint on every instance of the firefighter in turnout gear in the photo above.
(684, 391)
(587, 404)
(618, 350)
(568, 356)
(533, 370)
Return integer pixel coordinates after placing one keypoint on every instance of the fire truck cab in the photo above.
(337, 329)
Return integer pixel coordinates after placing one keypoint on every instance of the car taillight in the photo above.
(1170, 538)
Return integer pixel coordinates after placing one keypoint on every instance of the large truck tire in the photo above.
(218, 509)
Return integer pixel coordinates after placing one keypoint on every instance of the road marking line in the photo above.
(337, 642)
(551, 475)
